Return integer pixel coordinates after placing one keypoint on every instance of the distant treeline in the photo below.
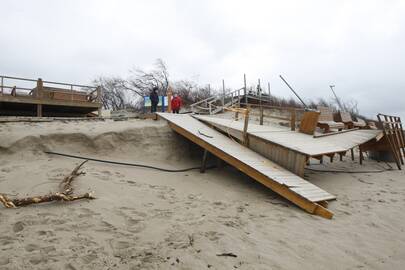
(126, 93)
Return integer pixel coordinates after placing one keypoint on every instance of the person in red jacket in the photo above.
(176, 103)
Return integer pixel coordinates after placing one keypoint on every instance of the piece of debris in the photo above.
(64, 195)
(229, 254)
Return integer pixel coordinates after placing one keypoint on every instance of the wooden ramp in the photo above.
(290, 186)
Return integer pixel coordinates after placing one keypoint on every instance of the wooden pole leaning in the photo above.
(245, 112)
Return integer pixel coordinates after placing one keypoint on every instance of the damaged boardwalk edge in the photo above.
(312, 207)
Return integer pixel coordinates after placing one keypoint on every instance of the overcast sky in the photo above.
(359, 46)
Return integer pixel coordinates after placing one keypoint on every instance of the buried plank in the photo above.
(234, 154)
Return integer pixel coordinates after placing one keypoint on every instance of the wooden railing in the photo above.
(46, 91)
(93, 93)
(292, 118)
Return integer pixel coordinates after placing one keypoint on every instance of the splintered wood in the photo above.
(66, 193)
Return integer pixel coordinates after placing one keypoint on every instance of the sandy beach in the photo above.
(148, 219)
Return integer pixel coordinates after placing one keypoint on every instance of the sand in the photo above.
(146, 219)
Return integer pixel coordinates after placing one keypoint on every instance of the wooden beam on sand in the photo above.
(283, 190)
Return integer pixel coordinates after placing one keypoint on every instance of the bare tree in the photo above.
(115, 96)
(142, 82)
(190, 92)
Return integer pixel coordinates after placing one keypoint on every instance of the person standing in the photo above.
(176, 103)
(154, 99)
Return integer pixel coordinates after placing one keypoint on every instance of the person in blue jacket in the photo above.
(154, 99)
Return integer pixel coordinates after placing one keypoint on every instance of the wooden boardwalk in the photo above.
(294, 140)
(292, 187)
(291, 149)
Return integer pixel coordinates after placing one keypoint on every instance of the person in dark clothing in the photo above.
(154, 99)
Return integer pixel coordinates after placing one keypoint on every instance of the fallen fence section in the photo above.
(290, 186)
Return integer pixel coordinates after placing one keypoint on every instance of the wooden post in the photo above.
(260, 101)
(99, 100)
(245, 90)
(261, 115)
(71, 92)
(223, 93)
(2, 82)
(40, 87)
(293, 119)
(352, 153)
(239, 98)
(245, 128)
(204, 161)
(169, 99)
(268, 86)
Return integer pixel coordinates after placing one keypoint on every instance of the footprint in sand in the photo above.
(31, 247)
(213, 236)
(104, 226)
(46, 233)
(6, 240)
(6, 170)
(18, 227)
(86, 259)
(86, 212)
(4, 261)
(37, 259)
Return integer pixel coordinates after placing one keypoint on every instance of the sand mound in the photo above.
(157, 142)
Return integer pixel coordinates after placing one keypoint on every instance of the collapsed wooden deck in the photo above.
(290, 186)
(292, 149)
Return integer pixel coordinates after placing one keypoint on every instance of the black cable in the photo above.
(128, 164)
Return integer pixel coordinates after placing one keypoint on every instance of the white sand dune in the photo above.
(147, 219)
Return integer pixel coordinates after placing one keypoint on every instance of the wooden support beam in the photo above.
(245, 128)
(204, 161)
(293, 119)
(39, 110)
(261, 116)
(284, 191)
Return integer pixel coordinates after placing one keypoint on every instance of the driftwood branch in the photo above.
(13, 203)
(65, 194)
(67, 181)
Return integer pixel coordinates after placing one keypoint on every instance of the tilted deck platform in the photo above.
(290, 186)
(291, 149)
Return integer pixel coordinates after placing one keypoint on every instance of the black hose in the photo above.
(128, 164)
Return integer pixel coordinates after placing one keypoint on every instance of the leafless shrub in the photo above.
(190, 92)
(114, 95)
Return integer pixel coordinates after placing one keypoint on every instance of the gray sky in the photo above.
(357, 45)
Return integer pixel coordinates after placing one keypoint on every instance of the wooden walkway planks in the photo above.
(273, 176)
(299, 142)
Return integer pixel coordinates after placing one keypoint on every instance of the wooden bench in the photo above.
(347, 119)
(326, 120)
